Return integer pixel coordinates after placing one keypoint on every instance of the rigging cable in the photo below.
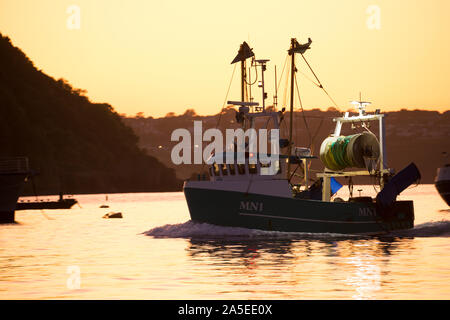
(303, 112)
(308, 78)
(281, 76)
(285, 94)
(320, 84)
(315, 135)
(226, 96)
(223, 105)
(256, 72)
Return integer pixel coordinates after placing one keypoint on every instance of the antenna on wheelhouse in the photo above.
(262, 63)
(360, 105)
(244, 53)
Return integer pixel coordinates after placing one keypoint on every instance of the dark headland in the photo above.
(76, 145)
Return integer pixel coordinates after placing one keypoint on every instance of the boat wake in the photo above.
(427, 229)
(190, 229)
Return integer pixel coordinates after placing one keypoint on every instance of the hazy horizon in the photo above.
(172, 56)
(370, 109)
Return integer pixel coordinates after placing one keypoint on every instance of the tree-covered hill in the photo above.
(76, 145)
(411, 136)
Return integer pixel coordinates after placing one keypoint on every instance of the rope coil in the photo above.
(354, 151)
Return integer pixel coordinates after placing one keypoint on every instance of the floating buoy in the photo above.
(113, 215)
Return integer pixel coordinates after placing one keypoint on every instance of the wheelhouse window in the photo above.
(224, 169)
(232, 169)
(265, 168)
(216, 169)
(277, 167)
(241, 168)
(252, 169)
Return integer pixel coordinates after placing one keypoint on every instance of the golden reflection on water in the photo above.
(42, 256)
(318, 269)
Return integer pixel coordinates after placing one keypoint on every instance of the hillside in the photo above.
(76, 145)
(412, 136)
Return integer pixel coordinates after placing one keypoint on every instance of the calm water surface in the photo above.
(155, 252)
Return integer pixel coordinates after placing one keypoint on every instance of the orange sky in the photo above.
(167, 56)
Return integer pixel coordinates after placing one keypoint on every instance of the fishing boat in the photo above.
(13, 174)
(241, 193)
(442, 181)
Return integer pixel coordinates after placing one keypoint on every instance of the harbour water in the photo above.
(156, 252)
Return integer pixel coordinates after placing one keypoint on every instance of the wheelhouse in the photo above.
(248, 166)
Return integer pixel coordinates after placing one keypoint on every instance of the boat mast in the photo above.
(244, 53)
(262, 63)
(295, 48)
(275, 97)
(243, 76)
(291, 110)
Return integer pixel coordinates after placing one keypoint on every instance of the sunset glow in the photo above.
(157, 57)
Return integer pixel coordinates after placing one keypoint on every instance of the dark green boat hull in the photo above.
(443, 187)
(255, 211)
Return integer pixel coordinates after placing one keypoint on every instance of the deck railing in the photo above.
(14, 164)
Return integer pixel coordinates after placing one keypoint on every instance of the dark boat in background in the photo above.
(442, 181)
(36, 205)
(13, 174)
(61, 203)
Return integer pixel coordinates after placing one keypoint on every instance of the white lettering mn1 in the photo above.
(251, 206)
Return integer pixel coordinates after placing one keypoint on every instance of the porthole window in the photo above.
(241, 168)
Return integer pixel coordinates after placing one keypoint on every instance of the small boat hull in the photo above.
(442, 183)
(443, 187)
(7, 216)
(255, 211)
(11, 186)
(61, 204)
